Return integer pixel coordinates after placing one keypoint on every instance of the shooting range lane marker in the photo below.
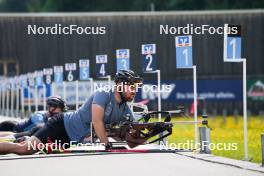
(232, 53)
(84, 75)
(1, 98)
(7, 100)
(150, 66)
(59, 79)
(22, 92)
(17, 97)
(122, 59)
(70, 70)
(101, 68)
(184, 59)
(12, 97)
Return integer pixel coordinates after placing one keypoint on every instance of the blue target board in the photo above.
(184, 51)
(84, 73)
(101, 61)
(58, 74)
(149, 57)
(233, 47)
(70, 69)
(122, 59)
(39, 78)
(31, 79)
(47, 72)
(233, 42)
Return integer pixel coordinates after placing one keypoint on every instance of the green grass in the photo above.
(229, 132)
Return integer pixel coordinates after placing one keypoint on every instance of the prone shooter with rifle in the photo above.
(106, 106)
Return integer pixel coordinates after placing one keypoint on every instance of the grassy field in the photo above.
(229, 131)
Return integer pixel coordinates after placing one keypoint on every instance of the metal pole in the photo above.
(77, 94)
(225, 41)
(64, 90)
(52, 89)
(262, 147)
(36, 98)
(3, 102)
(109, 79)
(17, 101)
(245, 108)
(7, 101)
(91, 86)
(22, 102)
(44, 97)
(195, 104)
(159, 89)
(159, 94)
(12, 102)
(29, 101)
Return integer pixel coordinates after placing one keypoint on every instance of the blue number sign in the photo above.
(101, 61)
(48, 72)
(149, 57)
(39, 78)
(58, 74)
(84, 73)
(122, 59)
(71, 69)
(233, 42)
(184, 51)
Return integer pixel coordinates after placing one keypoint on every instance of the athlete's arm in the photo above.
(98, 123)
(6, 133)
(21, 126)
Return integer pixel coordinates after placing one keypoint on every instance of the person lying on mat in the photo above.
(55, 105)
(16, 131)
(104, 106)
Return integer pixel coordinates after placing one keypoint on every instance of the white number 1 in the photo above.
(233, 43)
(185, 53)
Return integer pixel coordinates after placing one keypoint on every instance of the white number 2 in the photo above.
(149, 57)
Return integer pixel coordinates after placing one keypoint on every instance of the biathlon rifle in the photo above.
(143, 131)
(137, 133)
